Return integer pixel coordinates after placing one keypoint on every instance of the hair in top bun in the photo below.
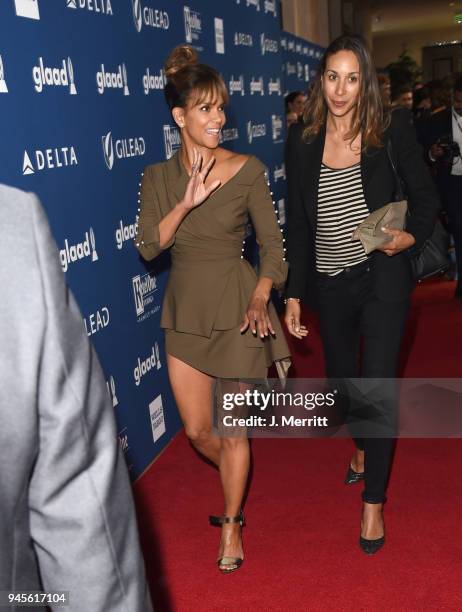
(186, 76)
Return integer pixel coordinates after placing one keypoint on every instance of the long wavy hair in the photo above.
(369, 117)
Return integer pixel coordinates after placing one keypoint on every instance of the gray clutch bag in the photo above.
(392, 216)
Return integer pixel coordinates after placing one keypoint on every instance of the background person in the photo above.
(338, 172)
(67, 516)
(294, 103)
(216, 313)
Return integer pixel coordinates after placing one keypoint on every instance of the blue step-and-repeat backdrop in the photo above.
(83, 113)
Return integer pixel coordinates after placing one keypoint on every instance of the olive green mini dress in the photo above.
(210, 283)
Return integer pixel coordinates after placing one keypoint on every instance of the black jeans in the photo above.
(349, 312)
(453, 202)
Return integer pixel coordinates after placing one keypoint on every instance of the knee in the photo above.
(235, 443)
(198, 435)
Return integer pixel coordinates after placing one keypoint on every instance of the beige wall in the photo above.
(308, 19)
(387, 48)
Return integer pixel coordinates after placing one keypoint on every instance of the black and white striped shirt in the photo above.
(341, 208)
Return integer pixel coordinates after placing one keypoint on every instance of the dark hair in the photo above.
(291, 97)
(399, 90)
(186, 76)
(458, 84)
(369, 118)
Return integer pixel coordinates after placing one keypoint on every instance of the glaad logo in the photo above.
(255, 3)
(282, 211)
(72, 253)
(124, 148)
(152, 82)
(276, 124)
(275, 87)
(229, 134)
(268, 45)
(290, 69)
(270, 7)
(255, 130)
(54, 77)
(144, 288)
(112, 80)
(243, 40)
(279, 173)
(291, 45)
(236, 85)
(96, 321)
(172, 140)
(124, 233)
(151, 363)
(49, 159)
(27, 8)
(219, 36)
(3, 86)
(156, 412)
(110, 384)
(284, 42)
(96, 6)
(257, 86)
(298, 48)
(150, 17)
(192, 24)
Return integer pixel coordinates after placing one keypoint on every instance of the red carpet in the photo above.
(303, 523)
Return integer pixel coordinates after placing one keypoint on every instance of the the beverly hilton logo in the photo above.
(192, 24)
(172, 140)
(144, 288)
(3, 86)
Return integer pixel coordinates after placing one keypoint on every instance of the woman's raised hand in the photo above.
(196, 191)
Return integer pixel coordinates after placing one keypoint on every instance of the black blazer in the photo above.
(391, 275)
(440, 126)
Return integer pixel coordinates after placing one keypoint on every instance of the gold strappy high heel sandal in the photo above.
(226, 565)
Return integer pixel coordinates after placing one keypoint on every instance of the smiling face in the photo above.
(298, 105)
(341, 83)
(201, 121)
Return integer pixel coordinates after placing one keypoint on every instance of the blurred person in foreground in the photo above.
(295, 103)
(67, 516)
(385, 90)
(445, 140)
(339, 171)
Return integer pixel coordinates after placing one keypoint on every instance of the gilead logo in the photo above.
(96, 321)
(62, 76)
(122, 148)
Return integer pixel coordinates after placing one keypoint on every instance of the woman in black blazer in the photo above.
(338, 172)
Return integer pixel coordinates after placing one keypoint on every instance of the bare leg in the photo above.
(372, 521)
(357, 461)
(193, 395)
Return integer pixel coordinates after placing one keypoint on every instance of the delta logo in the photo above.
(62, 76)
(48, 159)
(104, 7)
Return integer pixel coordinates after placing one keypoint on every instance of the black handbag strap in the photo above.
(399, 185)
